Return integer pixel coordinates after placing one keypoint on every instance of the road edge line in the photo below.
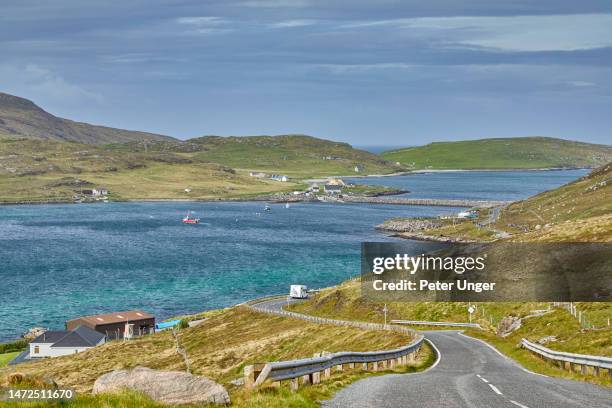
(519, 365)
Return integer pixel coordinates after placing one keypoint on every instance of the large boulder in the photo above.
(169, 387)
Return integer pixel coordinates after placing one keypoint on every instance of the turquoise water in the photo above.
(62, 261)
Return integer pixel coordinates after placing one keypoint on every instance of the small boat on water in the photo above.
(286, 205)
(190, 219)
(267, 208)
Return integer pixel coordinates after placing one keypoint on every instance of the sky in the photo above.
(383, 72)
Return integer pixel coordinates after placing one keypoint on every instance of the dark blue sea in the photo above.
(63, 261)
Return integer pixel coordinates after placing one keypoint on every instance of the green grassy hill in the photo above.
(212, 167)
(580, 210)
(21, 117)
(44, 170)
(502, 153)
(295, 155)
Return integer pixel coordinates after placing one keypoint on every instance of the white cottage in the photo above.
(61, 343)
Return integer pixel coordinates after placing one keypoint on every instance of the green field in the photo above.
(6, 357)
(502, 153)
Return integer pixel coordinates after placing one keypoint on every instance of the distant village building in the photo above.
(358, 168)
(333, 189)
(279, 177)
(95, 192)
(314, 188)
(118, 325)
(62, 343)
(188, 190)
(257, 174)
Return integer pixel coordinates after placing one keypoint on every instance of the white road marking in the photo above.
(494, 388)
(518, 404)
(437, 353)
(484, 379)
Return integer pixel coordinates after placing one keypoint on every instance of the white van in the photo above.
(298, 292)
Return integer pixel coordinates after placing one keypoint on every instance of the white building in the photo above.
(61, 343)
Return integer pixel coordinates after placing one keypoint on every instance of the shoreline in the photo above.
(264, 198)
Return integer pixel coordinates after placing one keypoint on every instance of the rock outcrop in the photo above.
(168, 387)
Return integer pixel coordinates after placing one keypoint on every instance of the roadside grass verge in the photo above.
(310, 396)
(510, 347)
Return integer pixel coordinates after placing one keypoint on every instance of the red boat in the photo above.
(188, 219)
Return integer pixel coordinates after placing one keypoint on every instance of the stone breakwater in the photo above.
(424, 201)
(413, 225)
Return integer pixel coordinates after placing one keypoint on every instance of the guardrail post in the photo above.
(365, 366)
(315, 378)
(294, 384)
(383, 364)
(583, 369)
(251, 372)
(596, 371)
(609, 372)
(249, 376)
(327, 373)
(339, 367)
(375, 366)
(306, 379)
(351, 365)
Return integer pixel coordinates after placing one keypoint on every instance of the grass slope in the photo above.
(502, 153)
(212, 167)
(21, 117)
(219, 348)
(39, 170)
(295, 155)
(570, 210)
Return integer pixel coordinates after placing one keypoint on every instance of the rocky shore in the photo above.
(409, 225)
(417, 229)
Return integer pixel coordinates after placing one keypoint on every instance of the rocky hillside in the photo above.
(21, 117)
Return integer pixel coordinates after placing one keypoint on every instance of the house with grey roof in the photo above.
(61, 343)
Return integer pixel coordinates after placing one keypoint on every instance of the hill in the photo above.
(503, 153)
(580, 210)
(211, 167)
(45, 170)
(295, 155)
(21, 117)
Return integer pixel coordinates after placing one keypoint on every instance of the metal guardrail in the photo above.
(424, 323)
(566, 360)
(310, 369)
(325, 320)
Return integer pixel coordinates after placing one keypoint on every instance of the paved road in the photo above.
(469, 373)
